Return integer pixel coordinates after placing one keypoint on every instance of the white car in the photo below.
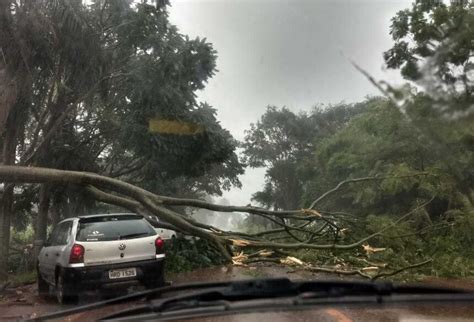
(99, 252)
(166, 234)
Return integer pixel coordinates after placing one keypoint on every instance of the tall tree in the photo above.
(84, 84)
(277, 141)
(284, 142)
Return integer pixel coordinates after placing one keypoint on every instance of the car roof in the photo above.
(108, 215)
(100, 216)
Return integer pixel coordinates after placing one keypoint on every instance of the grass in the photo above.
(22, 278)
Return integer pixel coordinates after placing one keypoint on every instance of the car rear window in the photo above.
(113, 228)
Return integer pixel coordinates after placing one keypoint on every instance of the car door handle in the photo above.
(46, 255)
(57, 254)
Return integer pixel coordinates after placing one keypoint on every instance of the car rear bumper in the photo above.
(97, 277)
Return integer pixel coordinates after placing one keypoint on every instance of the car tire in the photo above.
(173, 240)
(43, 286)
(64, 292)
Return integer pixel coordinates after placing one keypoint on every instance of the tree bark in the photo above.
(55, 211)
(5, 220)
(9, 153)
(42, 219)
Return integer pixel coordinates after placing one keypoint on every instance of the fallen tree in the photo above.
(321, 229)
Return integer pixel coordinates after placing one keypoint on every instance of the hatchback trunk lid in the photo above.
(112, 239)
(119, 251)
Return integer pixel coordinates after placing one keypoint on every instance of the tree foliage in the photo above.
(82, 82)
(385, 156)
(284, 142)
(433, 47)
(99, 74)
(378, 164)
(423, 31)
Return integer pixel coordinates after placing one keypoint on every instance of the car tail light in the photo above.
(77, 254)
(159, 245)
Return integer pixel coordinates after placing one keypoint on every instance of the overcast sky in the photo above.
(292, 53)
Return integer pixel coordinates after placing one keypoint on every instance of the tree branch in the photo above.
(271, 245)
(348, 181)
(136, 207)
(337, 271)
(41, 175)
(145, 201)
(401, 269)
(31, 153)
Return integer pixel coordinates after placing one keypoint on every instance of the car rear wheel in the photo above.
(64, 292)
(43, 286)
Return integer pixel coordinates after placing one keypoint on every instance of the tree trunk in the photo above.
(9, 149)
(66, 208)
(55, 211)
(42, 219)
(5, 220)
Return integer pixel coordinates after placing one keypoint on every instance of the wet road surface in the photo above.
(23, 302)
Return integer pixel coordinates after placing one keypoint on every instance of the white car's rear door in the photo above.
(119, 251)
(116, 239)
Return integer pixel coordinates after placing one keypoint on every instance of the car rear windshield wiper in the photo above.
(134, 235)
(218, 295)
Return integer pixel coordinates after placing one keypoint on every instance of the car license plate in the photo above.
(122, 273)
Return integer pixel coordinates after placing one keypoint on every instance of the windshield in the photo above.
(113, 228)
(304, 139)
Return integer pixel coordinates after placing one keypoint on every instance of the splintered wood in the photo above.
(370, 250)
(238, 260)
(311, 212)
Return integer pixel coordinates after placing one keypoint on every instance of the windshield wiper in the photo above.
(222, 298)
(220, 295)
(128, 236)
(148, 294)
